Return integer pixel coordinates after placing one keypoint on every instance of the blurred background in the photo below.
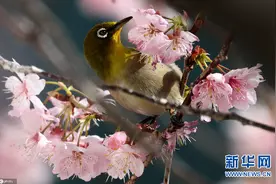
(49, 34)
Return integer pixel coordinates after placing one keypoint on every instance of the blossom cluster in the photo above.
(236, 89)
(165, 39)
(56, 134)
(60, 134)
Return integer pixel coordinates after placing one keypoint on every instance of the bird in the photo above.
(126, 67)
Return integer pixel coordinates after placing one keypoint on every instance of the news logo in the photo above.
(245, 162)
(264, 161)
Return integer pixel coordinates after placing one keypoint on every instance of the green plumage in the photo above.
(128, 68)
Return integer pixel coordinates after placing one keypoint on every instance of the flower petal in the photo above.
(34, 84)
(14, 85)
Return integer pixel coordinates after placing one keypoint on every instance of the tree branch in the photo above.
(189, 63)
(216, 61)
(16, 68)
(199, 21)
(168, 167)
(188, 67)
(218, 116)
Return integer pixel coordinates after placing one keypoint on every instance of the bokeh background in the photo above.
(50, 34)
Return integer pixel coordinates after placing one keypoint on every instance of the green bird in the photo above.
(126, 67)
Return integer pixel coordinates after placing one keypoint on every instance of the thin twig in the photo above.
(189, 63)
(16, 68)
(188, 67)
(168, 167)
(216, 61)
(199, 21)
(218, 116)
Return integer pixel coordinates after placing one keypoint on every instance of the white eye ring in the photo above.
(102, 33)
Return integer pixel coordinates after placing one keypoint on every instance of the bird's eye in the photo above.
(102, 33)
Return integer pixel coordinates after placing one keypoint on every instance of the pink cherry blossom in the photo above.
(82, 114)
(55, 134)
(213, 91)
(181, 135)
(143, 34)
(58, 106)
(123, 158)
(149, 16)
(243, 82)
(171, 141)
(24, 90)
(84, 162)
(37, 146)
(116, 140)
(149, 26)
(35, 120)
(172, 48)
(13, 164)
(123, 161)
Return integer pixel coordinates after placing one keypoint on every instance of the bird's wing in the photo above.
(163, 81)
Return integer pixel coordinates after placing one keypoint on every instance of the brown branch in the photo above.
(199, 21)
(168, 167)
(16, 68)
(218, 116)
(216, 61)
(189, 63)
(188, 67)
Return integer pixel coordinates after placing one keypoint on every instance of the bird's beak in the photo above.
(119, 25)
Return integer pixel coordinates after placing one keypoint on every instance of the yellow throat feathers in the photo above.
(117, 59)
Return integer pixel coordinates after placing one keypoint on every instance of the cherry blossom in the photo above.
(55, 134)
(213, 91)
(84, 162)
(149, 26)
(149, 16)
(25, 89)
(172, 47)
(116, 140)
(180, 135)
(13, 163)
(142, 35)
(149, 37)
(37, 146)
(123, 158)
(123, 161)
(58, 106)
(35, 120)
(243, 82)
(60, 135)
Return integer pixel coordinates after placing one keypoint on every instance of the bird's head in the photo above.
(100, 40)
